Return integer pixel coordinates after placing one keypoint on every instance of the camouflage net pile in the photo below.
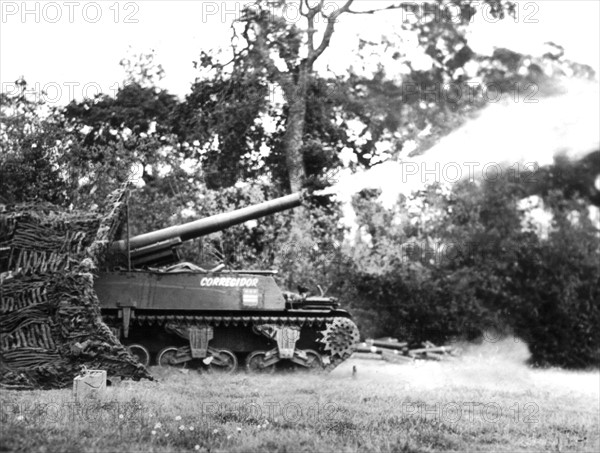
(50, 322)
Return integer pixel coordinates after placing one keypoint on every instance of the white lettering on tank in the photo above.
(228, 281)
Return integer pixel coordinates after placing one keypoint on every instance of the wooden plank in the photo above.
(367, 349)
(366, 356)
(390, 356)
(436, 349)
(388, 345)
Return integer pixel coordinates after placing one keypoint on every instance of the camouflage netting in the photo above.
(50, 322)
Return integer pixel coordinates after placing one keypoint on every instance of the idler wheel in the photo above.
(256, 363)
(140, 353)
(224, 361)
(167, 356)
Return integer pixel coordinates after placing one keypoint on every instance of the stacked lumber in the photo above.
(392, 350)
(48, 307)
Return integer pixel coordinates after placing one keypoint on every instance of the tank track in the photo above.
(338, 334)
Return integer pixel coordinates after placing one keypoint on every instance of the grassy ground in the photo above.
(477, 403)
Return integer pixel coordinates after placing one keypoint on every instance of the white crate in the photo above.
(92, 384)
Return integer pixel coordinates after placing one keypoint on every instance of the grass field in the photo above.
(486, 400)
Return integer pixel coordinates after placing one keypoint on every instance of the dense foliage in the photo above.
(472, 270)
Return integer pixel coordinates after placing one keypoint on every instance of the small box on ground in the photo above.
(91, 384)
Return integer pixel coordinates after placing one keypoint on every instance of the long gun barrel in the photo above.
(202, 227)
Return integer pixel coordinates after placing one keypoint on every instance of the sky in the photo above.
(73, 49)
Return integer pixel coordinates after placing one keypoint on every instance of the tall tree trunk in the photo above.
(294, 134)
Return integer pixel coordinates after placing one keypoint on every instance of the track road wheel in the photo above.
(255, 363)
(166, 356)
(313, 362)
(224, 361)
(140, 353)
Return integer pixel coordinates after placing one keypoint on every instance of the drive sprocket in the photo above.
(338, 337)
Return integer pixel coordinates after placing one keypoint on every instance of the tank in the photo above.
(177, 314)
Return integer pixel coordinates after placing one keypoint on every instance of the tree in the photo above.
(130, 136)
(418, 107)
(464, 266)
(33, 147)
(268, 51)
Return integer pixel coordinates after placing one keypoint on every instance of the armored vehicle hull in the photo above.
(223, 321)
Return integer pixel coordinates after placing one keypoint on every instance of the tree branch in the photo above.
(311, 32)
(373, 11)
(310, 17)
(302, 3)
(314, 10)
(331, 20)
